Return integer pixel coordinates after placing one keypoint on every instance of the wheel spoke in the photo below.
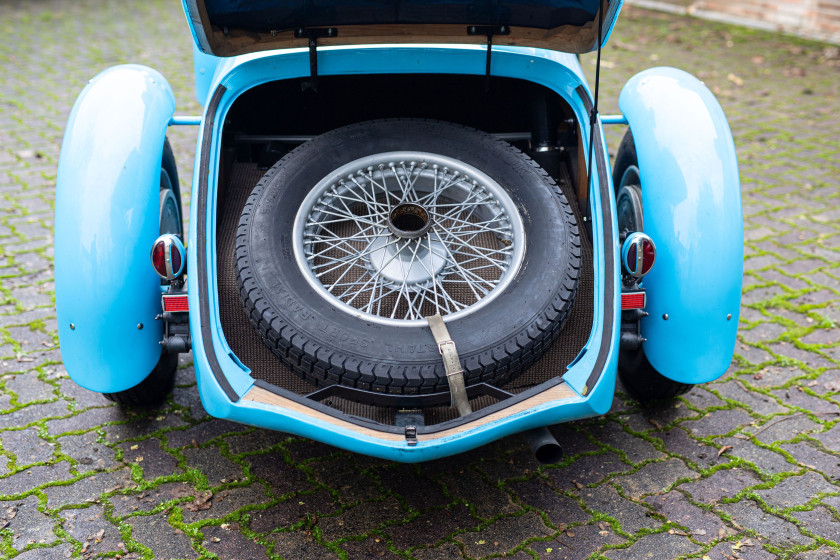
(405, 278)
(482, 226)
(359, 236)
(363, 199)
(480, 252)
(357, 292)
(354, 255)
(345, 219)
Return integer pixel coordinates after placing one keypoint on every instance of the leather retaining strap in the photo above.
(454, 373)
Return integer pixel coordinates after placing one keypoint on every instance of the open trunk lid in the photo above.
(234, 27)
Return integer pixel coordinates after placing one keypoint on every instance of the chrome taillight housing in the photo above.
(638, 254)
(169, 256)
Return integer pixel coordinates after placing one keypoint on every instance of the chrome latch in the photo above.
(411, 435)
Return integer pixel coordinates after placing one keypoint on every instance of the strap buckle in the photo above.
(445, 343)
(450, 356)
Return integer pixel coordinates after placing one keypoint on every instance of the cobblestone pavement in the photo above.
(747, 467)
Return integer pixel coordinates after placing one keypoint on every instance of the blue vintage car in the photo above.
(406, 237)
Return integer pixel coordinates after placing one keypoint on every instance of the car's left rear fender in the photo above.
(107, 217)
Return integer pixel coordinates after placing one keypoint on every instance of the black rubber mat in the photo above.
(250, 350)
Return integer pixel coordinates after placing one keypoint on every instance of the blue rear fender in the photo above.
(692, 210)
(106, 219)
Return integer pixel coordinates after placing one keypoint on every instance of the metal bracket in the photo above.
(312, 35)
(404, 400)
(411, 435)
(489, 31)
(176, 324)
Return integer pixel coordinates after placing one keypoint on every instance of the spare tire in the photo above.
(350, 240)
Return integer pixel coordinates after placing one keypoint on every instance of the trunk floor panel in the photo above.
(249, 348)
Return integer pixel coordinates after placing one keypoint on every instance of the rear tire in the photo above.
(643, 382)
(636, 373)
(158, 384)
(152, 390)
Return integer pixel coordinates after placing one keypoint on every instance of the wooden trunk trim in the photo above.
(260, 395)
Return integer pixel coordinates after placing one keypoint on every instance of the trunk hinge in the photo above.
(312, 35)
(489, 31)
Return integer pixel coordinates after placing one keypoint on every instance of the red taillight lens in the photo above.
(648, 256)
(632, 255)
(159, 258)
(176, 259)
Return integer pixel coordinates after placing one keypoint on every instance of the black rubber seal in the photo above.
(201, 234)
(609, 254)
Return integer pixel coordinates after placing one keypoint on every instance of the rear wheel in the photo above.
(157, 385)
(636, 373)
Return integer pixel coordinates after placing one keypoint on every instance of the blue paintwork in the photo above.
(204, 68)
(185, 121)
(106, 219)
(583, 366)
(613, 119)
(560, 72)
(610, 19)
(692, 210)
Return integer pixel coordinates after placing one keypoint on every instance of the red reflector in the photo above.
(632, 300)
(648, 256)
(159, 258)
(177, 303)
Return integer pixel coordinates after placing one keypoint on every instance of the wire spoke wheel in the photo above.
(400, 236)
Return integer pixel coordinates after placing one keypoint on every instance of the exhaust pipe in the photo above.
(545, 448)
